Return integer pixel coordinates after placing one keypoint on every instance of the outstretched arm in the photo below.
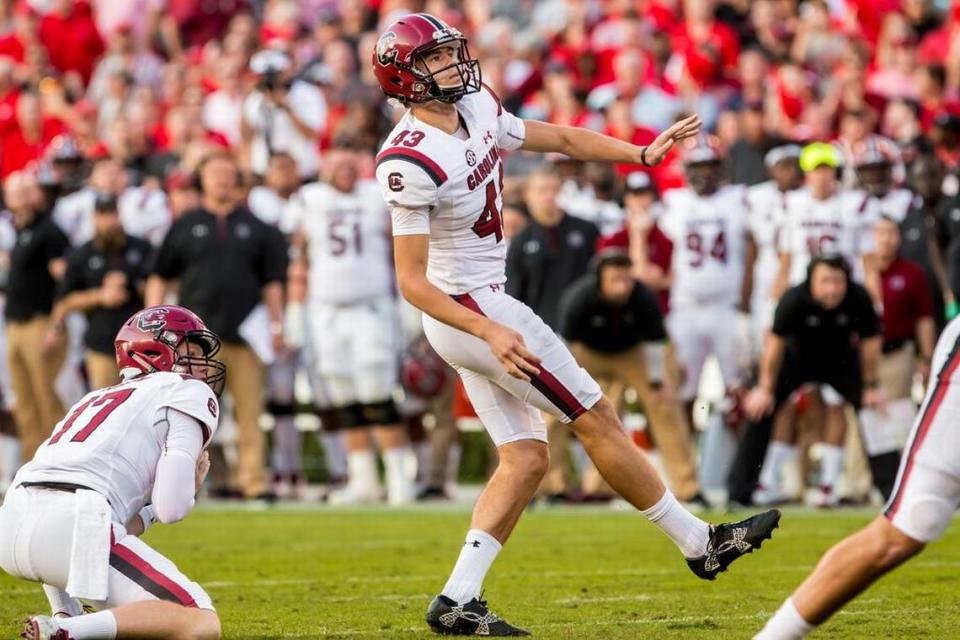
(584, 144)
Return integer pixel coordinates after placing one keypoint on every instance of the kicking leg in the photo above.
(709, 550)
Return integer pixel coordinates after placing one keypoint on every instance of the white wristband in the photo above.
(147, 517)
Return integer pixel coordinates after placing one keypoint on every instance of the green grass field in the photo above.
(567, 573)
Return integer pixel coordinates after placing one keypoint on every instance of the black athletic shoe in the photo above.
(730, 541)
(448, 618)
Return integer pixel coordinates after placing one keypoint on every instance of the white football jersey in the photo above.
(266, 204)
(767, 205)
(895, 204)
(709, 245)
(347, 236)
(451, 188)
(841, 224)
(111, 440)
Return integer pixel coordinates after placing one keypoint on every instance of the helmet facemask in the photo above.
(199, 363)
(876, 178)
(467, 68)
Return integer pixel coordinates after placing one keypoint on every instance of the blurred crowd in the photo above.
(119, 120)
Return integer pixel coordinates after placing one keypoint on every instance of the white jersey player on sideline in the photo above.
(767, 202)
(121, 459)
(343, 228)
(874, 170)
(441, 171)
(823, 217)
(923, 503)
(707, 222)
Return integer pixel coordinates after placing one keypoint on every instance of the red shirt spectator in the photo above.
(906, 299)
(659, 252)
(71, 38)
(16, 43)
(26, 139)
(710, 48)
(200, 21)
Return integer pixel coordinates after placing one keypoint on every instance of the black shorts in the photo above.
(842, 374)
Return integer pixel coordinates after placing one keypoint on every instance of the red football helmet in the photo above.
(149, 341)
(401, 47)
(422, 372)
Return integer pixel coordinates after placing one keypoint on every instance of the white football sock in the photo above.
(478, 553)
(93, 626)
(399, 466)
(453, 467)
(362, 473)
(786, 624)
(688, 532)
(831, 465)
(333, 453)
(61, 602)
(777, 456)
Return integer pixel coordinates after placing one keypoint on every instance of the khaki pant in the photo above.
(666, 418)
(32, 376)
(101, 370)
(895, 372)
(444, 433)
(245, 379)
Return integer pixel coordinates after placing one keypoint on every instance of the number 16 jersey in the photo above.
(450, 188)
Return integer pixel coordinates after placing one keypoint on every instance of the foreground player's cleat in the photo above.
(446, 617)
(730, 541)
(43, 628)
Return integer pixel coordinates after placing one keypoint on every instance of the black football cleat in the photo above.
(730, 541)
(448, 618)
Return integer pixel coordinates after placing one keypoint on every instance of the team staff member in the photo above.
(825, 331)
(615, 330)
(36, 262)
(104, 280)
(551, 252)
(908, 331)
(228, 261)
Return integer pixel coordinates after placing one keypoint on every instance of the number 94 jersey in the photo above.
(111, 441)
(450, 188)
(709, 245)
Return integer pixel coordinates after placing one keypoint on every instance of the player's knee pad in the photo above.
(352, 416)
(279, 409)
(381, 413)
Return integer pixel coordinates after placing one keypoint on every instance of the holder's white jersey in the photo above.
(842, 224)
(451, 188)
(112, 440)
(347, 236)
(709, 245)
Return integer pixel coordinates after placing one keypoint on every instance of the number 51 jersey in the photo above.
(112, 440)
(450, 187)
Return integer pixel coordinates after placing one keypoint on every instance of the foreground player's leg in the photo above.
(458, 610)
(141, 620)
(844, 572)
(709, 550)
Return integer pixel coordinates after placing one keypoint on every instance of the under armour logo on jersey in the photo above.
(487, 137)
(471, 157)
(395, 181)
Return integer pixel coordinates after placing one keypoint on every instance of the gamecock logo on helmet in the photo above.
(153, 320)
(385, 47)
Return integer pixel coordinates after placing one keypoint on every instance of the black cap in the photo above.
(947, 121)
(105, 202)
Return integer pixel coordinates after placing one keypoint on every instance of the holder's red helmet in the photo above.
(423, 373)
(402, 46)
(150, 340)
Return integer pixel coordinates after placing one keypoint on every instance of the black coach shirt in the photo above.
(31, 288)
(86, 268)
(222, 265)
(543, 261)
(586, 317)
(825, 339)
